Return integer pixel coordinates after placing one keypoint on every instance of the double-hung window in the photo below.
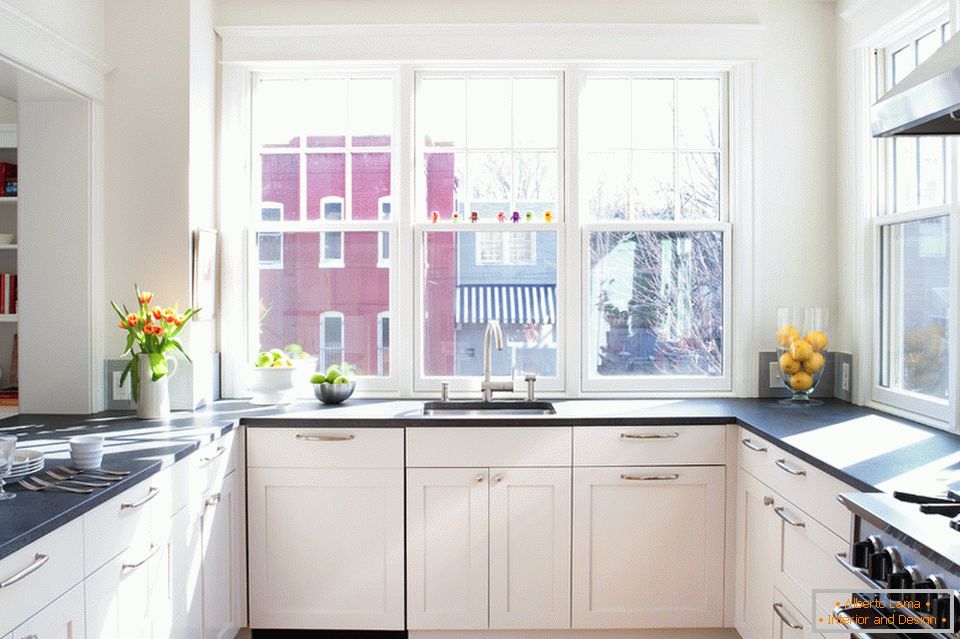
(915, 216)
(324, 166)
(654, 230)
(490, 221)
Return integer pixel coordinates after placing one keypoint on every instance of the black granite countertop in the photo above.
(869, 450)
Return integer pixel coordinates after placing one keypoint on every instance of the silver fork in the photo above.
(103, 471)
(43, 486)
(92, 474)
(78, 482)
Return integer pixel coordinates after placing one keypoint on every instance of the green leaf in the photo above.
(158, 365)
(123, 317)
(126, 371)
(130, 339)
(177, 345)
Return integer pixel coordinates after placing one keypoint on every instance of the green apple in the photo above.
(263, 360)
(277, 354)
(318, 378)
(341, 380)
(333, 373)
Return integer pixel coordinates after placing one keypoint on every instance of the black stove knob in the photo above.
(902, 580)
(941, 610)
(862, 551)
(879, 566)
(922, 598)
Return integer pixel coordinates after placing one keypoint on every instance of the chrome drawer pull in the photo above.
(767, 500)
(324, 438)
(782, 465)
(154, 549)
(213, 500)
(749, 444)
(792, 522)
(153, 492)
(777, 608)
(220, 450)
(478, 479)
(670, 477)
(38, 561)
(672, 435)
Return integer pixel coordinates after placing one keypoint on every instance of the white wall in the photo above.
(8, 111)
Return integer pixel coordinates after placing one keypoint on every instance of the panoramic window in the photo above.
(652, 183)
(324, 148)
(490, 217)
(915, 212)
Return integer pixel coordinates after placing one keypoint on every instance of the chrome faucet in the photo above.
(487, 386)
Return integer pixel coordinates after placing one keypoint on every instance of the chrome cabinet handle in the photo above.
(478, 479)
(749, 444)
(324, 438)
(782, 465)
(213, 500)
(154, 549)
(778, 608)
(767, 500)
(497, 478)
(793, 522)
(672, 435)
(220, 450)
(153, 492)
(37, 563)
(669, 477)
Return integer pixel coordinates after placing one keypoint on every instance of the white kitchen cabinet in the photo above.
(447, 548)
(758, 556)
(222, 560)
(529, 547)
(186, 595)
(62, 619)
(788, 623)
(125, 598)
(326, 547)
(648, 546)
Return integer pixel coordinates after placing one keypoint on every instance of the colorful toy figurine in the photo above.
(529, 216)
(547, 217)
(455, 217)
(474, 216)
(501, 217)
(515, 217)
(435, 217)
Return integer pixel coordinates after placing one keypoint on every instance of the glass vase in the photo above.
(802, 351)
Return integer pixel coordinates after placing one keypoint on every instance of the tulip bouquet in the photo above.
(154, 330)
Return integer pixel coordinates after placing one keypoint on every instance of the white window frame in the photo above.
(383, 261)
(881, 214)
(383, 315)
(326, 262)
(507, 238)
(323, 338)
(723, 383)
(396, 50)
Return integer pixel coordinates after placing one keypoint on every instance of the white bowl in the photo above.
(272, 385)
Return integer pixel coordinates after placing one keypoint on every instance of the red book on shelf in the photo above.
(3, 294)
(13, 294)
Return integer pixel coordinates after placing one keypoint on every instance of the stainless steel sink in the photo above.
(489, 409)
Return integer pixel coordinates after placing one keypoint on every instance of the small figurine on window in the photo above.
(529, 216)
(435, 217)
(455, 217)
(547, 217)
(474, 216)
(515, 217)
(501, 217)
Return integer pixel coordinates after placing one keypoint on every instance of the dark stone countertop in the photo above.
(868, 450)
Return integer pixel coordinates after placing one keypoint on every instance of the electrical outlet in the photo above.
(775, 380)
(120, 393)
(845, 377)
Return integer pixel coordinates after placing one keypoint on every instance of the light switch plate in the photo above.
(775, 380)
(120, 393)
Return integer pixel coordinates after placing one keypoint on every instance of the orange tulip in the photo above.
(169, 319)
(145, 297)
(132, 319)
(157, 312)
(123, 324)
(158, 331)
(168, 311)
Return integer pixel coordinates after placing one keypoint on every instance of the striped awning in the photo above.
(511, 304)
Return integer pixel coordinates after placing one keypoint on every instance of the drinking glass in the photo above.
(8, 448)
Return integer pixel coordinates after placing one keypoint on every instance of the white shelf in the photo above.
(10, 200)
(9, 247)
(7, 317)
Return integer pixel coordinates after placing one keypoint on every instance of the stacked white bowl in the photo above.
(86, 451)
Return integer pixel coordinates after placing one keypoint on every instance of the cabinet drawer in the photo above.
(644, 445)
(325, 447)
(132, 519)
(466, 447)
(34, 576)
(755, 453)
(799, 482)
(808, 556)
(216, 460)
(788, 623)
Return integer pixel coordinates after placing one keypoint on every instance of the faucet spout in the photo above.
(493, 330)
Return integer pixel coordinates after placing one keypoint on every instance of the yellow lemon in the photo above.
(786, 334)
(801, 381)
(817, 339)
(800, 350)
(813, 363)
(788, 365)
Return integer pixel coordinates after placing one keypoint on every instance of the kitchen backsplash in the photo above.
(831, 384)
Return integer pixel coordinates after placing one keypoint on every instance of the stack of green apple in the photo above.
(274, 358)
(334, 375)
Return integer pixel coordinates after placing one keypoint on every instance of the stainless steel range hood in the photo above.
(926, 102)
